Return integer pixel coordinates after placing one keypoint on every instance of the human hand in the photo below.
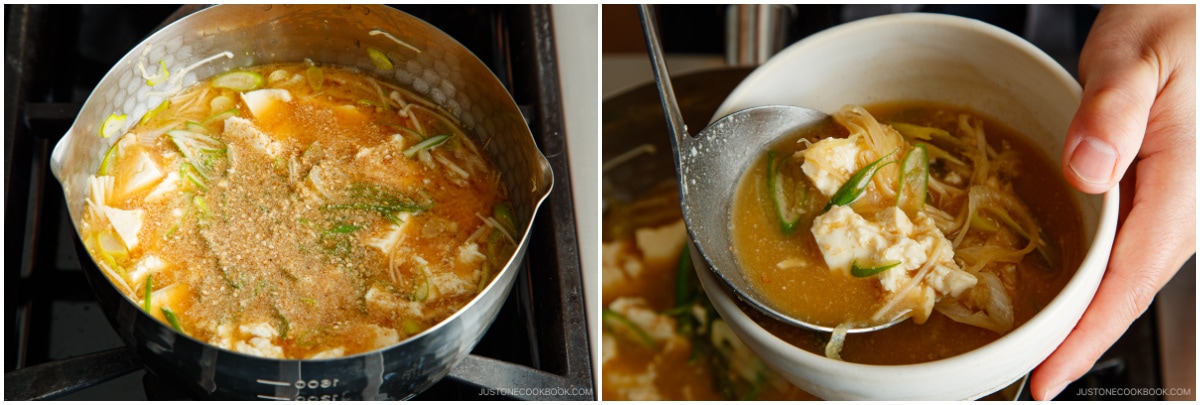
(1139, 100)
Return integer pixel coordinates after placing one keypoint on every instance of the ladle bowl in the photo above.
(709, 167)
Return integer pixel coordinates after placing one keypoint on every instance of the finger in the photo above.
(1135, 273)
(1119, 87)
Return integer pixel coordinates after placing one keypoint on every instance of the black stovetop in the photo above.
(55, 55)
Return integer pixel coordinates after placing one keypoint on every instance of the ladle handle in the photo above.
(666, 92)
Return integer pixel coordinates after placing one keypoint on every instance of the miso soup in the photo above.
(298, 211)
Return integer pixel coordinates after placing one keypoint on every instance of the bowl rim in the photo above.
(1084, 282)
(900, 19)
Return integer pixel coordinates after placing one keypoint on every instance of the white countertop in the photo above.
(576, 34)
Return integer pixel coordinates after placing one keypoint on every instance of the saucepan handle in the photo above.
(57, 156)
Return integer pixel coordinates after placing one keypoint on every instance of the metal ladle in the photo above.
(709, 167)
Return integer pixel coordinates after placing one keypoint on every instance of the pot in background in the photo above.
(429, 62)
(945, 59)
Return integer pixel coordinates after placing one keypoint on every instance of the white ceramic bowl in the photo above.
(951, 60)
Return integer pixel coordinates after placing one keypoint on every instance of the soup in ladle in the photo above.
(920, 210)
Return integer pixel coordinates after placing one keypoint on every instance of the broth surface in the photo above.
(320, 213)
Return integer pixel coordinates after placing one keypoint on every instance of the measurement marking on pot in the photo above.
(269, 382)
(261, 396)
(311, 384)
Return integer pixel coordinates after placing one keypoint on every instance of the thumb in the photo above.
(1120, 82)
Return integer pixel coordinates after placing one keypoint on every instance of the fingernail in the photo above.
(1093, 161)
(1053, 392)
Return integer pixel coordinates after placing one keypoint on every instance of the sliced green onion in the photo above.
(196, 127)
(374, 198)
(171, 231)
(310, 338)
(920, 132)
(108, 161)
(162, 76)
(284, 326)
(861, 272)
(380, 59)
(308, 301)
(112, 262)
(238, 81)
(410, 326)
(382, 209)
(170, 315)
(853, 188)
(788, 218)
(229, 280)
(149, 285)
(289, 276)
(487, 263)
(929, 134)
(915, 175)
(939, 153)
(277, 75)
(504, 215)
(111, 125)
(614, 320)
(422, 291)
(150, 114)
(221, 103)
(407, 130)
(316, 77)
(982, 223)
(495, 237)
(198, 150)
(221, 116)
(192, 143)
(187, 171)
(430, 143)
(345, 228)
(1044, 250)
(199, 201)
(110, 245)
(685, 287)
(675, 311)
(371, 103)
(485, 275)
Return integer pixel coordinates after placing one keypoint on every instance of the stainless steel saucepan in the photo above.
(235, 36)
